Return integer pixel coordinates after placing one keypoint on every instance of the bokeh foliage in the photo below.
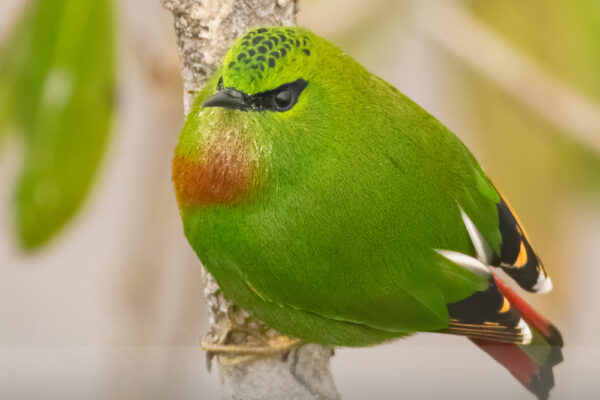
(57, 80)
(563, 37)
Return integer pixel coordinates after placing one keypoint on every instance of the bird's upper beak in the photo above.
(228, 98)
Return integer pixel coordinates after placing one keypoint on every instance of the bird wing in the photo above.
(517, 257)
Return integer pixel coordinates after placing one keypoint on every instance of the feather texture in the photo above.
(329, 210)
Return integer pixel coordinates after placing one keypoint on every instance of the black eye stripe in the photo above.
(265, 101)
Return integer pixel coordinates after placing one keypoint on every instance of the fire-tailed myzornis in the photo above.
(338, 211)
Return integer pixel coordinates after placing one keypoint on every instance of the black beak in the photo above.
(228, 98)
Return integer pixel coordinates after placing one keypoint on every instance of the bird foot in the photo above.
(232, 351)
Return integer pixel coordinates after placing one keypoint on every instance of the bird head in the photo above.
(267, 69)
(262, 116)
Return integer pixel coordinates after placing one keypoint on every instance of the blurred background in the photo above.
(101, 296)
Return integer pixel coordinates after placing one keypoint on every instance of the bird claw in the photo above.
(231, 354)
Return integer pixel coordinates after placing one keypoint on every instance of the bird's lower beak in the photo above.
(228, 98)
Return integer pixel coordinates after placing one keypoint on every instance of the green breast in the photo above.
(346, 256)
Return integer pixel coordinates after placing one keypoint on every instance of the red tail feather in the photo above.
(532, 317)
(536, 377)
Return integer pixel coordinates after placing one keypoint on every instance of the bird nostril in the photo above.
(236, 94)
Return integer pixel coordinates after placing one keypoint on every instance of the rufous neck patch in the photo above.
(222, 177)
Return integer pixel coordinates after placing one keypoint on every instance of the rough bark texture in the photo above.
(205, 30)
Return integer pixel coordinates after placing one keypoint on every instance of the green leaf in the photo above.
(12, 60)
(61, 100)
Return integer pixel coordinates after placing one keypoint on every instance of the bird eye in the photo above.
(284, 99)
(280, 99)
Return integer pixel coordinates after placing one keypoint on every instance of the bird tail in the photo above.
(530, 364)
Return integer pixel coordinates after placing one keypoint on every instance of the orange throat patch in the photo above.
(222, 177)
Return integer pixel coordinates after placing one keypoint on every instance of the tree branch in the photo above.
(205, 29)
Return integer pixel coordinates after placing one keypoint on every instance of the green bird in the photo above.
(336, 210)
